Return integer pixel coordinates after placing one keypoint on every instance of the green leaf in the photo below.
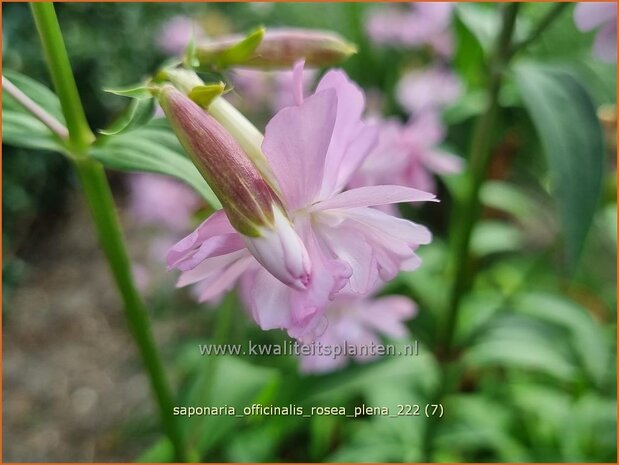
(137, 91)
(150, 149)
(491, 237)
(19, 127)
(138, 113)
(23, 130)
(584, 334)
(483, 22)
(36, 91)
(204, 95)
(480, 424)
(242, 50)
(571, 136)
(516, 342)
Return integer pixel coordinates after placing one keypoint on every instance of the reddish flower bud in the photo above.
(251, 205)
(244, 194)
(279, 49)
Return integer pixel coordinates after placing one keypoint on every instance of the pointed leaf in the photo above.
(138, 113)
(571, 136)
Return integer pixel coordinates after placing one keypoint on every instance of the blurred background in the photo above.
(535, 378)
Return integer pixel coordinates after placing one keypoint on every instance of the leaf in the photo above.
(516, 342)
(36, 91)
(478, 423)
(237, 384)
(491, 237)
(23, 130)
(143, 150)
(138, 113)
(136, 91)
(242, 50)
(483, 22)
(585, 335)
(19, 127)
(204, 95)
(571, 136)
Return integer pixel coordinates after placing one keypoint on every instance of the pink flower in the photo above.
(408, 155)
(176, 34)
(422, 23)
(428, 89)
(313, 148)
(602, 16)
(279, 48)
(156, 199)
(252, 206)
(264, 91)
(355, 327)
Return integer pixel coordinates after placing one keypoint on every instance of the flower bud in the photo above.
(246, 197)
(251, 205)
(281, 251)
(279, 49)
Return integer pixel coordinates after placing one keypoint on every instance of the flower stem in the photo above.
(35, 109)
(479, 159)
(46, 21)
(101, 203)
(553, 13)
(468, 205)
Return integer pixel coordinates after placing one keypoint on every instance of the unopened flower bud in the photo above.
(280, 250)
(279, 49)
(251, 205)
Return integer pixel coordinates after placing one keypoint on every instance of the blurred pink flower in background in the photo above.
(602, 16)
(155, 199)
(266, 91)
(428, 89)
(357, 322)
(313, 148)
(419, 24)
(176, 34)
(408, 155)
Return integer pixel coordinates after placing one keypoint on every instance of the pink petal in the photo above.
(443, 163)
(298, 82)
(348, 128)
(387, 314)
(374, 195)
(180, 255)
(224, 281)
(296, 142)
(605, 45)
(387, 229)
(350, 246)
(269, 301)
(590, 15)
(210, 267)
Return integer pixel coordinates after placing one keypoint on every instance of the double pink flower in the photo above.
(325, 240)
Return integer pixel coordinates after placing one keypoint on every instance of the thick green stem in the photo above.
(468, 206)
(101, 203)
(46, 21)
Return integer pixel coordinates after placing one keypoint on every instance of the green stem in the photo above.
(468, 206)
(46, 21)
(101, 203)
(35, 109)
(553, 13)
